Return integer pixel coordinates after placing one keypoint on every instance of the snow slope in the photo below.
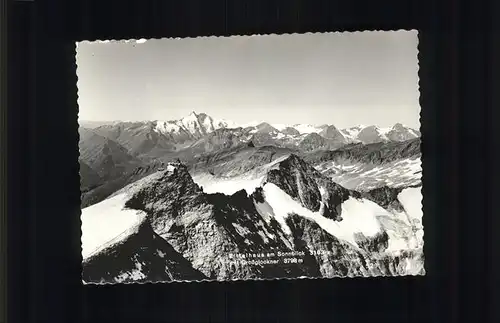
(359, 215)
(405, 228)
(351, 134)
(306, 128)
(228, 186)
(411, 199)
(106, 222)
(356, 176)
(362, 177)
(109, 221)
(248, 181)
(166, 127)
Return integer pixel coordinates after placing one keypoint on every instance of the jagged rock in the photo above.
(335, 258)
(387, 197)
(205, 228)
(258, 195)
(379, 243)
(303, 183)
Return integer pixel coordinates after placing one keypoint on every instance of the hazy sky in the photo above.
(343, 79)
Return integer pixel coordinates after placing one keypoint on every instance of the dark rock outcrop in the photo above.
(302, 182)
(386, 197)
(206, 228)
(335, 258)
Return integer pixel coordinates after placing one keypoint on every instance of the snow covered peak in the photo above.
(194, 125)
(372, 134)
(192, 117)
(307, 128)
(223, 123)
(251, 124)
(199, 124)
(180, 134)
(401, 132)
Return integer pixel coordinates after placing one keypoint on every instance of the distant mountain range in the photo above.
(199, 132)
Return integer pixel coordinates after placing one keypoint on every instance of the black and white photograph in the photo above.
(250, 157)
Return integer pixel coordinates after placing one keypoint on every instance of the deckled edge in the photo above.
(421, 98)
(419, 80)
(144, 40)
(222, 281)
(80, 250)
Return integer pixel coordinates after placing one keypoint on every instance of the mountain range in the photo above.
(201, 133)
(193, 199)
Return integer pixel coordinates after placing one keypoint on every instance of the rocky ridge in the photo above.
(205, 229)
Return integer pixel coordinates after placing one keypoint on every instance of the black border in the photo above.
(3, 168)
(43, 195)
(493, 117)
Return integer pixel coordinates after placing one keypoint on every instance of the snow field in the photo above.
(359, 216)
(107, 221)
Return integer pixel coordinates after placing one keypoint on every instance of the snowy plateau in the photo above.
(180, 200)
